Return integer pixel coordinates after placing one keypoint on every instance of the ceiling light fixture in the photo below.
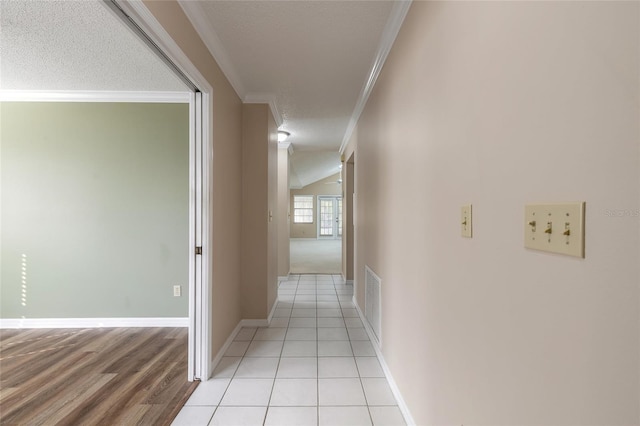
(282, 135)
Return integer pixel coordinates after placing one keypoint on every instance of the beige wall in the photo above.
(325, 186)
(226, 196)
(283, 213)
(501, 104)
(259, 202)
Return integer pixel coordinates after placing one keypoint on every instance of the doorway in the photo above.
(350, 207)
(189, 167)
(139, 19)
(329, 217)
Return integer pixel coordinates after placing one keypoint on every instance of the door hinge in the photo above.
(198, 250)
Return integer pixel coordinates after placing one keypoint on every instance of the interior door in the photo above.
(329, 217)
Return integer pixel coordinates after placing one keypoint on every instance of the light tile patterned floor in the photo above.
(314, 365)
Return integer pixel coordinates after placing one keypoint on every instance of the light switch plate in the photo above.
(555, 228)
(465, 221)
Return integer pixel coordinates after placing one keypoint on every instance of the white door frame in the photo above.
(201, 182)
(335, 235)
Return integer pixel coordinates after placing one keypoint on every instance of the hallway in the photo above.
(314, 365)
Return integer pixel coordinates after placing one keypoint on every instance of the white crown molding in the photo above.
(265, 98)
(197, 15)
(92, 96)
(402, 405)
(92, 322)
(286, 145)
(389, 34)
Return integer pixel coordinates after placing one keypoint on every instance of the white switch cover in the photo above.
(465, 221)
(177, 291)
(556, 228)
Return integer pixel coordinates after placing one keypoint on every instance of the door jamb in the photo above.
(201, 358)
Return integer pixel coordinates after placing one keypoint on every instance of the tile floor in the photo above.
(314, 365)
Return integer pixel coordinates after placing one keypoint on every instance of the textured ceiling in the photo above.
(312, 57)
(75, 45)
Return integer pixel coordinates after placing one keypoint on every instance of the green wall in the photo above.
(95, 208)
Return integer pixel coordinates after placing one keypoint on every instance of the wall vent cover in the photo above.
(373, 302)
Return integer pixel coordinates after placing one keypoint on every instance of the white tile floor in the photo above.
(314, 365)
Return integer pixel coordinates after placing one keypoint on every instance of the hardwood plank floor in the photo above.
(110, 376)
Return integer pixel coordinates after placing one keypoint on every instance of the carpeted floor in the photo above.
(316, 256)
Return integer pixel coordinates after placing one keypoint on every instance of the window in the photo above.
(303, 209)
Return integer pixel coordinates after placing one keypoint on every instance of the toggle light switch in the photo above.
(465, 221)
(556, 228)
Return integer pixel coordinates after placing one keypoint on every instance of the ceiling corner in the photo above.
(197, 16)
(265, 98)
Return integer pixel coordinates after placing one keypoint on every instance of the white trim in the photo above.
(389, 34)
(193, 357)
(207, 229)
(92, 322)
(254, 323)
(215, 361)
(392, 384)
(243, 323)
(92, 96)
(273, 309)
(265, 98)
(137, 10)
(197, 15)
(283, 278)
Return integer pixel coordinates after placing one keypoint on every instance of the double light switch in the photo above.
(556, 228)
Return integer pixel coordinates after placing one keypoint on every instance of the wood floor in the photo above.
(111, 376)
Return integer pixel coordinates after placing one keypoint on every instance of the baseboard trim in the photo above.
(92, 322)
(243, 323)
(254, 323)
(216, 360)
(273, 311)
(394, 387)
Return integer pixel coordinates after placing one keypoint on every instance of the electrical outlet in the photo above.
(465, 221)
(177, 291)
(556, 228)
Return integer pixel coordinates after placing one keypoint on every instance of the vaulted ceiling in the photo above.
(313, 61)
